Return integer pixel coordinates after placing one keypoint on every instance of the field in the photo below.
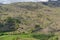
(29, 37)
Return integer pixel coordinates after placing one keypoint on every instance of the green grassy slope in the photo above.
(28, 37)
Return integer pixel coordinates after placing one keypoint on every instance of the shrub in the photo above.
(36, 26)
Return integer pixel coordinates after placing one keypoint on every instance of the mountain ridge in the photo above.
(52, 3)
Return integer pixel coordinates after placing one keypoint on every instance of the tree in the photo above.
(12, 23)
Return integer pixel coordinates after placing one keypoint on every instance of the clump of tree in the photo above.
(10, 24)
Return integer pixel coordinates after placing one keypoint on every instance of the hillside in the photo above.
(17, 18)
